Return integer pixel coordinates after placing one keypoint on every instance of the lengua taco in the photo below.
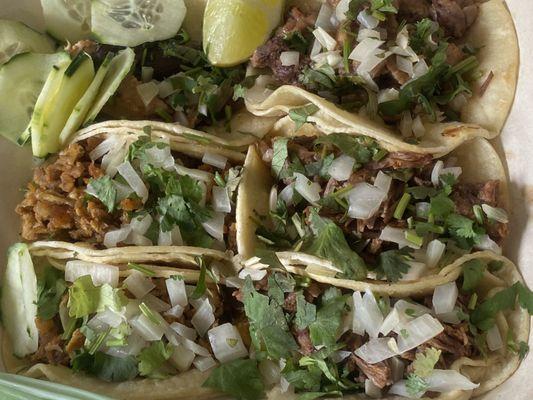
(422, 75)
(158, 331)
(341, 209)
(138, 183)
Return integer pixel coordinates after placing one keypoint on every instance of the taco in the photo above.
(421, 75)
(160, 331)
(343, 210)
(139, 183)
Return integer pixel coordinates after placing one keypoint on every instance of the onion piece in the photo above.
(164, 238)
(422, 209)
(147, 74)
(226, 343)
(183, 331)
(109, 317)
(444, 298)
(221, 200)
(323, 19)
(416, 269)
(341, 168)
(486, 243)
(435, 173)
(404, 65)
(340, 356)
(357, 316)
(138, 284)
(372, 390)
(182, 358)
(112, 238)
(364, 200)
(383, 182)
(100, 273)
(160, 157)
(496, 214)
(396, 235)
(196, 174)
(138, 240)
(390, 322)
(434, 253)
(134, 180)
(176, 311)
(176, 292)
(216, 160)
(141, 224)
(203, 318)
(388, 95)
(289, 58)
(418, 331)
(376, 350)
(165, 89)
(204, 363)
(367, 20)
(398, 368)
(310, 191)
(105, 147)
(364, 49)
(420, 68)
(325, 39)
(254, 274)
(287, 194)
(215, 226)
(418, 127)
(147, 92)
(447, 380)
(273, 199)
(494, 338)
(146, 328)
(155, 303)
(342, 8)
(371, 315)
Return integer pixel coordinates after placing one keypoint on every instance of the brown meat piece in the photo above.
(296, 22)
(402, 159)
(304, 341)
(454, 340)
(232, 237)
(76, 342)
(398, 75)
(380, 373)
(87, 46)
(50, 348)
(454, 16)
(413, 10)
(454, 54)
(289, 304)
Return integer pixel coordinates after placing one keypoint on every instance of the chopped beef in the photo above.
(454, 16)
(50, 348)
(454, 54)
(289, 304)
(380, 373)
(454, 341)
(402, 159)
(413, 10)
(87, 46)
(389, 205)
(398, 75)
(313, 291)
(296, 22)
(304, 341)
(232, 237)
(76, 342)
(56, 205)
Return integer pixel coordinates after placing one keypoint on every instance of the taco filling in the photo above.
(402, 62)
(373, 213)
(118, 191)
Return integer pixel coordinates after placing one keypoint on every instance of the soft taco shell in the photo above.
(483, 116)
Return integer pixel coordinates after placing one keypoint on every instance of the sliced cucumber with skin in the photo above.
(118, 69)
(74, 82)
(67, 19)
(83, 106)
(16, 38)
(21, 81)
(133, 22)
(19, 301)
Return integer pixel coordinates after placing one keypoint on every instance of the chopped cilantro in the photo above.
(104, 190)
(441, 206)
(324, 329)
(106, 367)
(305, 312)
(392, 264)
(280, 155)
(301, 114)
(84, 298)
(152, 360)
(201, 287)
(425, 362)
(416, 385)
(51, 286)
(361, 148)
(473, 271)
(240, 379)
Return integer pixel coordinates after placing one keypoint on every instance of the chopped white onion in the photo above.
(416, 269)
(400, 389)
(422, 209)
(138, 240)
(254, 274)
(140, 225)
(418, 127)
(289, 58)
(112, 238)
(323, 19)
(146, 328)
(182, 358)
(435, 173)
(450, 318)
(147, 74)
(164, 238)
(376, 350)
(165, 89)
(397, 368)
(155, 303)
(371, 315)
(270, 372)
(273, 199)
(133, 347)
(340, 356)
(342, 8)
(216, 160)
(134, 180)
(325, 39)
(105, 147)
(494, 338)
(406, 124)
(455, 171)
(367, 20)
(109, 317)
(196, 174)
(458, 102)
(183, 331)
(203, 364)
(310, 191)
(226, 343)
(176, 311)
(420, 68)
(195, 347)
(341, 168)
(364, 200)
(486, 243)
(176, 292)
(409, 311)
(383, 182)
(372, 390)
(418, 331)
(497, 214)
(138, 284)
(160, 157)
(447, 380)
(221, 201)
(367, 33)
(388, 95)
(444, 298)
(177, 240)
(334, 58)
(287, 194)
(372, 61)
(404, 65)
(147, 92)
(364, 49)
(203, 318)
(396, 235)
(100, 273)
(357, 314)
(215, 226)
(234, 282)
(390, 322)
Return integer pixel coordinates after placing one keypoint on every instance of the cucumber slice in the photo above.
(50, 88)
(118, 69)
(16, 38)
(74, 82)
(82, 107)
(21, 81)
(133, 22)
(19, 301)
(67, 19)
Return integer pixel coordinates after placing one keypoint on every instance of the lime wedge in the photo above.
(233, 29)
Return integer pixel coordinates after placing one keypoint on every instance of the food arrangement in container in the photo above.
(261, 200)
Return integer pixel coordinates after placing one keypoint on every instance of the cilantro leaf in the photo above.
(441, 206)
(278, 285)
(421, 192)
(152, 360)
(280, 155)
(363, 149)
(316, 79)
(104, 190)
(461, 226)
(201, 287)
(473, 271)
(299, 115)
(324, 329)
(425, 362)
(106, 367)
(84, 298)
(51, 286)
(523, 349)
(305, 312)
(420, 35)
(416, 385)
(268, 326)
(329, 243)
(240, 379)
(392, 264)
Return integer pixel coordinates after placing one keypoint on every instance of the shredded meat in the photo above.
(55, 204)
(50, 348)
(454, 54)
(289, 304)
(454, 341)
(380, 373)
(454, 16)
(413, 10)
(402, 159)
(400, 76)
(304, 341)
